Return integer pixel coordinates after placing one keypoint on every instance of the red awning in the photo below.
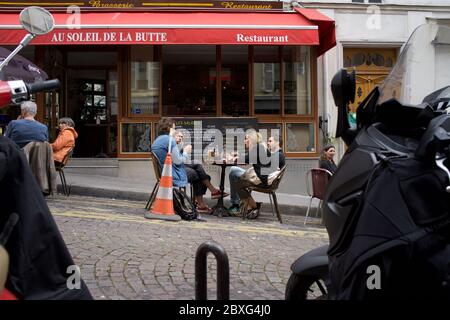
(327, 32)
(288, 28)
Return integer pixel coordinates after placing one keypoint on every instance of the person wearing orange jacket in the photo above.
(65, 140)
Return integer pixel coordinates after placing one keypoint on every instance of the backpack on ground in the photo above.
(183, 205)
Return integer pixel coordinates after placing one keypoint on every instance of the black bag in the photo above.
(183, 205)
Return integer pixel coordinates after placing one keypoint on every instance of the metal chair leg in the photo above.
(318, 208)
(67, 193)
(153, 196)
(275, 201)
(147, 206)
(63, 183)
(271, 204)
(307, 211)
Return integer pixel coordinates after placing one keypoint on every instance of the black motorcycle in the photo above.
(387, 207)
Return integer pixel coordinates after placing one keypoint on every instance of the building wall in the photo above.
(387, 25)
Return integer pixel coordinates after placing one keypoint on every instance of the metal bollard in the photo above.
(223, 271)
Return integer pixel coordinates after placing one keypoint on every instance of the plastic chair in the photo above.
(271, 191)
(59, 167)
(319, 180)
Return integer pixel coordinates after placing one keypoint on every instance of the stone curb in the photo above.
(142, 196)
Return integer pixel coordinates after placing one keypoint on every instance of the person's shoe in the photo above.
(252, 213)
(217, 194)
(206, 210)
(234, 210)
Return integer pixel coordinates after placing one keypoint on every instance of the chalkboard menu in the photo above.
(219, 135)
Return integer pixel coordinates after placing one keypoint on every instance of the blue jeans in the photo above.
(235, 174)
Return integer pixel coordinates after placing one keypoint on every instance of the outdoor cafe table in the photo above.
(219, 209)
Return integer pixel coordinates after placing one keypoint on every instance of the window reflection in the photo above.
(189, 80)
(300, 137)
(234, 80)
(297, 82)
(266, 80)
(144, 80)
(136, 137)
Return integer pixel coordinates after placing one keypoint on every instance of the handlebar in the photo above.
(43, 86)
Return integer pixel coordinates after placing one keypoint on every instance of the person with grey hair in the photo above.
(26, 129)
(65, 141)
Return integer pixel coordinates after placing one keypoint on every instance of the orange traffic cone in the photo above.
(162, 207)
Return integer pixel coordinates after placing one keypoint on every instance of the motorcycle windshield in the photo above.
(422, 66)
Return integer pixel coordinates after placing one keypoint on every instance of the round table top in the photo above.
(226, 163)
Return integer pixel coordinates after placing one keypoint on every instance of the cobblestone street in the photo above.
(124, 256)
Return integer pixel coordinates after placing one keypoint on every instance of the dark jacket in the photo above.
(328, 165)
(281, 158)
(38, 255)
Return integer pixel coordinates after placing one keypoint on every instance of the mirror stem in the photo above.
(22, 44)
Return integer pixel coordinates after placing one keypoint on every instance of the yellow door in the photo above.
(372, 66)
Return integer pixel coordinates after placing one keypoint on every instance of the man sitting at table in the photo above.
(274, 144)
(26, 129)
(166, 126)
(198, 177)
(241, 179)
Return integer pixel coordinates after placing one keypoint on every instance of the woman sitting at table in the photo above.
(65, 140)
(199, 179)
(240, 179)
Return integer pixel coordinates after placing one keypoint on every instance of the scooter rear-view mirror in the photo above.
(343, 86)
(37, 21)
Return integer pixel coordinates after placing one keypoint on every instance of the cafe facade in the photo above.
(125, 64)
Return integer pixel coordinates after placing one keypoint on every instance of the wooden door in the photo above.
(372, 65)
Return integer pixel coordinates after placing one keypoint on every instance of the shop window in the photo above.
(189, 80)
(297, 80)
(300, 137)
(144, 80)
(266, 80)
(234, 80)
(136, 137)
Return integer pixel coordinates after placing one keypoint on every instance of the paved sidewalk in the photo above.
(139, 190)
(122, 255)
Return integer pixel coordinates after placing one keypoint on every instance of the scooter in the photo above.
(386, 208)
(38, 257)
(37, 21)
